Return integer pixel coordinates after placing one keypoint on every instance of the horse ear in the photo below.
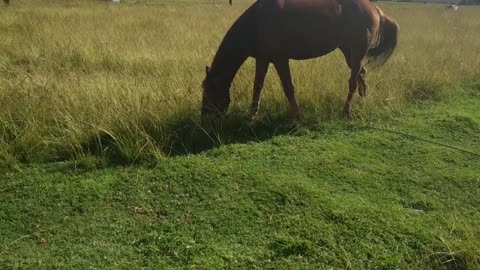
(207, 70)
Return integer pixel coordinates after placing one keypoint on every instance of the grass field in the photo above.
(82, 78)
(341, 196)
(103, 164)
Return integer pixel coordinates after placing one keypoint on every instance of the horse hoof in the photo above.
(253, 114)
(255, 117)
(295, 125)
(296, 121)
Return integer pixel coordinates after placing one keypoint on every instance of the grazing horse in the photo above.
(274, 31)
(6, 2)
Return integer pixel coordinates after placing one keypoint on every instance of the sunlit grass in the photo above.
(123, 81)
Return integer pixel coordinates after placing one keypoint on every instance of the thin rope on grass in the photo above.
(424, 140)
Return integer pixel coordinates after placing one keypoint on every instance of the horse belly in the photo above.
(307, 49)
(299, 36)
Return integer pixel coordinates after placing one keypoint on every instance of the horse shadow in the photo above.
(187, 136)
(181, 133)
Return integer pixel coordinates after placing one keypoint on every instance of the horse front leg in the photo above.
(261, 69)
(283, 70)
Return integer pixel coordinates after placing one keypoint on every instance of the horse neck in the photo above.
(228, 60)
(236, 46)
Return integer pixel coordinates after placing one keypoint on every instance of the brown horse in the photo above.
(274, 31)
(6, 2)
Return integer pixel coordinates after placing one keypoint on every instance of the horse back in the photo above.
(330, 6)
(303, 29)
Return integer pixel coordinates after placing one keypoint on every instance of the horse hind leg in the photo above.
(362, 84)
(361, 81)
(354, 58)
(261, 69)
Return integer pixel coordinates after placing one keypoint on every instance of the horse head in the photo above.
(216, 98)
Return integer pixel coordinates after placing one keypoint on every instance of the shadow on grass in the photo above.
(187, 136)
(147, 138)
(182, 134)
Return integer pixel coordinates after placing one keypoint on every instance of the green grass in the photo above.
(103, 164)
(341, 196)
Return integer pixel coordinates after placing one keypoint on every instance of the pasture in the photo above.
(124, 81)
(104, 163)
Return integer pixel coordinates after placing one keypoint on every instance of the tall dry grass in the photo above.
(123, 81)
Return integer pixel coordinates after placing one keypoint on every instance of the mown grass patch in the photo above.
(342, 195)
